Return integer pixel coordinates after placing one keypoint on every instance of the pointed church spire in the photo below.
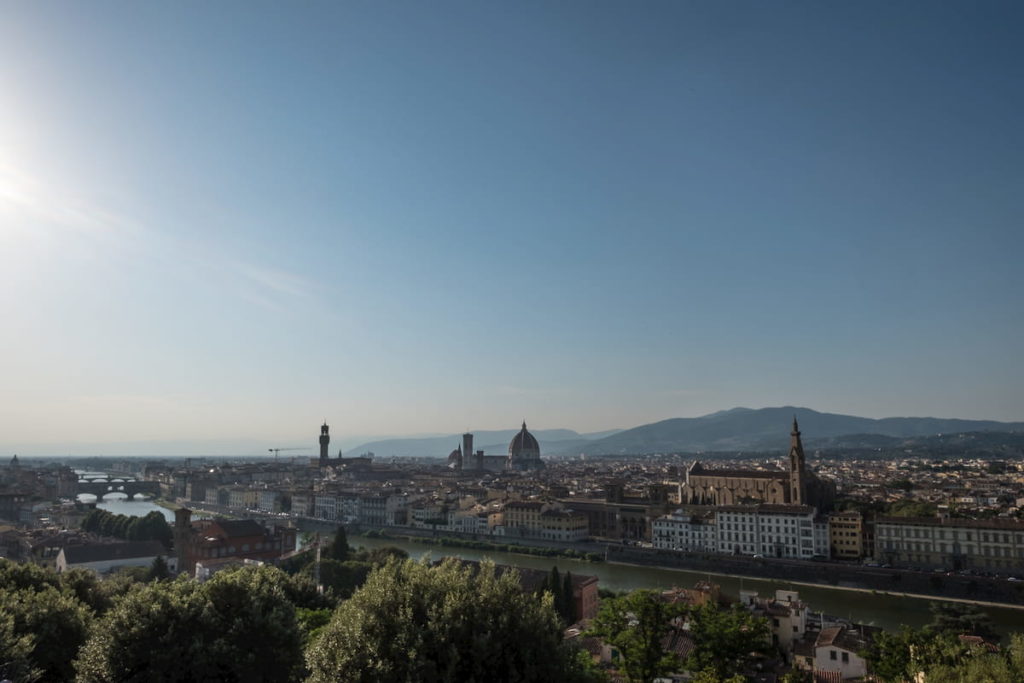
(797, 482)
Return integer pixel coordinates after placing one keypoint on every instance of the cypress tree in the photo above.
(568, 607)
(339, 547)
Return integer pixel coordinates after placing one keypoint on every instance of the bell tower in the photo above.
(797, 482)
(325, 440)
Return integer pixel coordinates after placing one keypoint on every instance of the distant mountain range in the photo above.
(739, 429)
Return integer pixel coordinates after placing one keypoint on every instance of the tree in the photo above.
(338, 549)
(709, 676)
(637, 625)
(152, 527)
(239, 626)
(561, 593)
(568, 607)
(342, 578)
(553, 585)
(954, 618)
(724, 639)
(153, 633)
(54, 622)
(796, 675)
(979, 664)
(106, 525)
(889, 654)
(311, 622)
(85, 585)
(906, 653)
(381, 556)
(15, 652)
(158, 571)
(14, 576)
(254, 634)
(452, 622)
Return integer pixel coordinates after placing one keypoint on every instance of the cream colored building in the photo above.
(846, 535)
(543, 519)
(951, 544)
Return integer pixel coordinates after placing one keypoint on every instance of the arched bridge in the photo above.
(129, 488)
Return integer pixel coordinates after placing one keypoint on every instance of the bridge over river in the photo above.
(130, 487)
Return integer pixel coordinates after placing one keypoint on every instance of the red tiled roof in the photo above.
(828, 636)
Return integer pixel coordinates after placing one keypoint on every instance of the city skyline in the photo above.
(236, 220)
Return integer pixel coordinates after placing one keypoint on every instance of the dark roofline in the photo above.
(102, 552)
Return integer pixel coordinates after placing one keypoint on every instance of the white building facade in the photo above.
(781, 531)
(682, 530)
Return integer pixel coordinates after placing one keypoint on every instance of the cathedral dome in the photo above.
(523, 443)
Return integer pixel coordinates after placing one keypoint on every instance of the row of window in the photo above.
(954, 534)
(987, 551)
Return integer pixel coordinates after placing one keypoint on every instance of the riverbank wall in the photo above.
(830, 574)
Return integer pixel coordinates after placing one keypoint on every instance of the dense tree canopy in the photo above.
(724, 639)
(239, 626)
(151, 527)
(16, 652)
(943, 658)
(416, 622)
(44, 622)
(340, 578)
(56, 622)
(408, 621)
(636, 625)
(956, 618)
(978, 665)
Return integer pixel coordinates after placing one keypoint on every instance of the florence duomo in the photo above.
(523, 455)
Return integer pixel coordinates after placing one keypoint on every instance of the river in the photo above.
(887, 611)
(119, 504)
(884, 610)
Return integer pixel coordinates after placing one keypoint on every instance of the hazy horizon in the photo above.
(236, 220)
(307, 445)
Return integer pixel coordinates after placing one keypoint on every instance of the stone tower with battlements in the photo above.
(325, 440)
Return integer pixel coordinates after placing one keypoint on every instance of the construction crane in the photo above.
(275, 451)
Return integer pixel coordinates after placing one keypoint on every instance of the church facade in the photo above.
(795, 486)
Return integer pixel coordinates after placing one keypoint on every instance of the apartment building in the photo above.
(325, 506)
(846, 535)
(547, 520)
(952, 544)
(269, 501)
(682, 530)
(793, 531)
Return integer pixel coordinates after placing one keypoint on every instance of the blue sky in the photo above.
(227, 221)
